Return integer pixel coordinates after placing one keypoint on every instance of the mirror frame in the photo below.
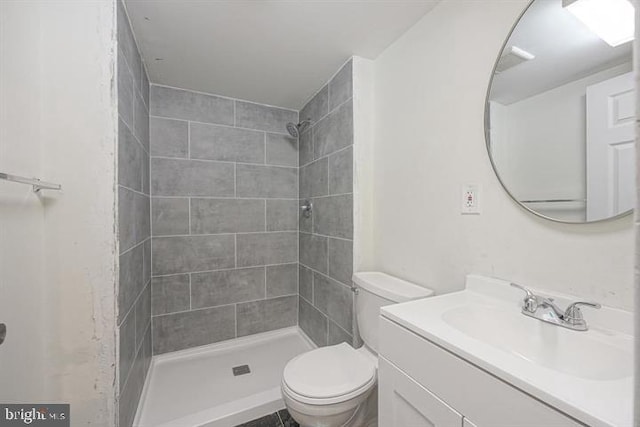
(488, 139)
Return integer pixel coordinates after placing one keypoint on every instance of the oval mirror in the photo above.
(560, 111)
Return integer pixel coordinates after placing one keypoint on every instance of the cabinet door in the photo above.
(403, 402)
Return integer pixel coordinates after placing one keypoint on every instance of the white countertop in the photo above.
(601, 397)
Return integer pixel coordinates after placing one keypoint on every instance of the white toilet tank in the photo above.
(375, 290)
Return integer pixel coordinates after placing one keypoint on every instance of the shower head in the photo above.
(296, 129)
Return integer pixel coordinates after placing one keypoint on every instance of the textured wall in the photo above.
(326, 237)
(58, 248)
(224, 186)
(134, 290)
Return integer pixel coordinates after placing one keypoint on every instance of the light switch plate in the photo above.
(470, 199)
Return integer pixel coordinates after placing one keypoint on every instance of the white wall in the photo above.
(429, 140)
(57, 252)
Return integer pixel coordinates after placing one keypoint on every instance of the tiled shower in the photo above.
(213, 243)
(224, 186)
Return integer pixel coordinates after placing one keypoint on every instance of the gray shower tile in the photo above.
(127, 353)
(225, 143)
(130, 159)
(266, 181)
(266, 315)
(341, 260)
(334, 132)
(210, 216)
(282, 150)
(169, 216)
(170, 294)
(263, 117)
(313, 251)
(317, 107)
(312, 322)
(133, 218)
(130, 392)
(143, 314)
(127, 44)
(178, 331)
(125, 90)
(227, 287)
(169, 137)
(314, 179)
(130, 281)
(141, 121)
(172, 255)
(282, 280)
(305, 147)
(146, 174)
(341, 172)
(338, 335)
(333, 216)
(177, 177)
(187, 105)
(305, 223)
(333, 299)
(341, 86)
(146, 262)
(266, 248)
(282, 215)
(305, 276)
(144, 85)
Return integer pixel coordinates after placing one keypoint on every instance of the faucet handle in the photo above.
(573, 314)
(530, 303)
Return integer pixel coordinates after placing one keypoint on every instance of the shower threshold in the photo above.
(219, 385)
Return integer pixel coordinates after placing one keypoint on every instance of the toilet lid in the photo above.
(328, 372)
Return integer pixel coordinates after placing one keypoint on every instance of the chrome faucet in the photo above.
(545, 309)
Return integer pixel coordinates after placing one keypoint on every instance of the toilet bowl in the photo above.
(336, 386)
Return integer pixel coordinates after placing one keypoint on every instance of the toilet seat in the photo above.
(328, 375)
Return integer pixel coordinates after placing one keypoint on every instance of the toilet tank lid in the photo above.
(389, 287)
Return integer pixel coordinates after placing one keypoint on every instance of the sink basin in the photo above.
(587, 375)
(580, 354)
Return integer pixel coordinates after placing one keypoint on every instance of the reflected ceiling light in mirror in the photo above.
(611, 20)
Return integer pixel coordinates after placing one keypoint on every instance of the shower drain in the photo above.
(241, 370)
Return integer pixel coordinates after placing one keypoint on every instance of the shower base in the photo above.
(197, 387)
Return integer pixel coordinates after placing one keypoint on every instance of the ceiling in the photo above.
(277, 52)
(565, 50)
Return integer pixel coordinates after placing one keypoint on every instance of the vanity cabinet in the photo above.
(421, 384)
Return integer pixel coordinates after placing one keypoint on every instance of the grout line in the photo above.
(224, 305)
(223, 269)
(290, 199)
(223, 162)
(227, 97)
(140, 193)
(198, 122)
(229, 234)
(326, 276)
(327, 236)
(280, 418)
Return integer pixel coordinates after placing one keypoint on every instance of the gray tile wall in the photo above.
(224, 218)
(326, 238)
(134, 288)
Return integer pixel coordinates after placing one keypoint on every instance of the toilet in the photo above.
(336, 386)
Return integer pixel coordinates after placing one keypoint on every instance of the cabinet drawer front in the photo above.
(403, 402)
(483, 398)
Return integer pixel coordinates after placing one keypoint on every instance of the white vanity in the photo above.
(471, 358)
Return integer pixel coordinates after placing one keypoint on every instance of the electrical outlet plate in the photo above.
(470, 199)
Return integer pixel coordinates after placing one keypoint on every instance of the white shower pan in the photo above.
(197, 387)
